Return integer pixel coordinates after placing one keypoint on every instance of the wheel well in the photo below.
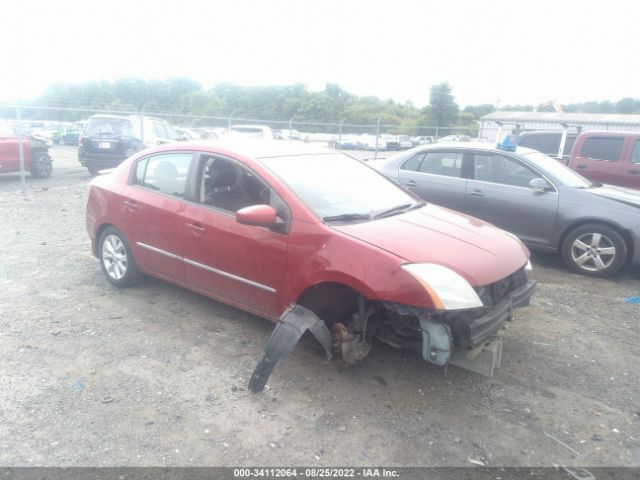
(331, 301)
(626, 235)
(99, 231)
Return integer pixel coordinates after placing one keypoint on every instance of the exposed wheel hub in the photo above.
(350, 347)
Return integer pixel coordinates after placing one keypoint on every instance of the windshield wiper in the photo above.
(347, 216)
(398, 209)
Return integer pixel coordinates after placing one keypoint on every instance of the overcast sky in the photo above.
(524, 52)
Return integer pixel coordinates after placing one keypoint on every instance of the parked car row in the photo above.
(384, 141)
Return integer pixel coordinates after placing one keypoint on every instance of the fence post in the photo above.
(340, 135)
(291, 126)
(229, 121)
(20, 146)
(375, 156)
(142, 130)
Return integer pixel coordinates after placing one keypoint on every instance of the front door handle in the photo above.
(582, 166)
(634, 172)
(197, 228)
(410, 183)
(477, 193)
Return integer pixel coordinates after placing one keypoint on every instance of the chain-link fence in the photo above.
(42, 142)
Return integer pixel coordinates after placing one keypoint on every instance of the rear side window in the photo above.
(118, 127)
(413, 164)
(602, 148)
(166, 173)
(448, 164)
(635, 154)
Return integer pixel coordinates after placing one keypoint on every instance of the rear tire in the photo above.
(93, 171)
(595, 250)
(41, 166)
(116, 259)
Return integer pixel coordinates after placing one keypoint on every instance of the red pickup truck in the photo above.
(608, 157)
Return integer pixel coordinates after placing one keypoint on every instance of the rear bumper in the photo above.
(100, 161)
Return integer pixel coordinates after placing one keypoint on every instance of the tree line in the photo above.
(183, 96)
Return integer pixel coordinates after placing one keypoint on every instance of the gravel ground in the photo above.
(157, 375)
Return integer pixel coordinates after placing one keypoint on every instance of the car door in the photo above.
(599, 159)
(436, 176)
(153, 209)
(499, 193)
(632, 177)
(240, 264)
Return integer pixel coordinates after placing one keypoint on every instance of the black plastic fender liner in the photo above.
(293, 323)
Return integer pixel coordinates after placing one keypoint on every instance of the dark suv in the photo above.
(548, 143)
(107, 140)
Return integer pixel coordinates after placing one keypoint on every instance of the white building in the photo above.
(495, 122)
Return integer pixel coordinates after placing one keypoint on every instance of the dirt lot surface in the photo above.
(157, 375)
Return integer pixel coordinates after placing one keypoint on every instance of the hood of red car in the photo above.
(477, 250)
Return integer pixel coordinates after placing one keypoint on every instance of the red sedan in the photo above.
(265, 225)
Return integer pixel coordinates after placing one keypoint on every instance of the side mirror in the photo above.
(539, 185)
(257, 215)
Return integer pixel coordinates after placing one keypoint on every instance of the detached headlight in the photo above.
(448, 290)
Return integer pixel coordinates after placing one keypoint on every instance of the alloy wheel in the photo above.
(114, 257)
(593, 252)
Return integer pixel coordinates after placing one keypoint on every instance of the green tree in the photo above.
(479, 111)
(444, 110)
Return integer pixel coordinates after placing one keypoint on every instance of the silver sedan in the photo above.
(595, 227)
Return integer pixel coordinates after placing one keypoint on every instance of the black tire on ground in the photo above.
(93, 171)
(595, 250)
(41, 165)
(116, 259)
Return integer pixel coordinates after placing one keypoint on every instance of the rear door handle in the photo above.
(477, 193)
(634, 172)
(196, 227)
(410, 183)
(131, 205)
(582, 166)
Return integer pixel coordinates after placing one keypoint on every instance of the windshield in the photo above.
(558, 170)
(334, 185)
(108, 126)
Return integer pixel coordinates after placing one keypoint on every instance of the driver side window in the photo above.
(229, 186)
(502, 170)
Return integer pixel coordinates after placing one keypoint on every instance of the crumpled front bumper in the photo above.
(486, 326)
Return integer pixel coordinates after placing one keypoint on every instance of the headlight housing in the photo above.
(448, 290)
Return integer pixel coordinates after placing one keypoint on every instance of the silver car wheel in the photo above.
(593, 252)
(114, 257)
